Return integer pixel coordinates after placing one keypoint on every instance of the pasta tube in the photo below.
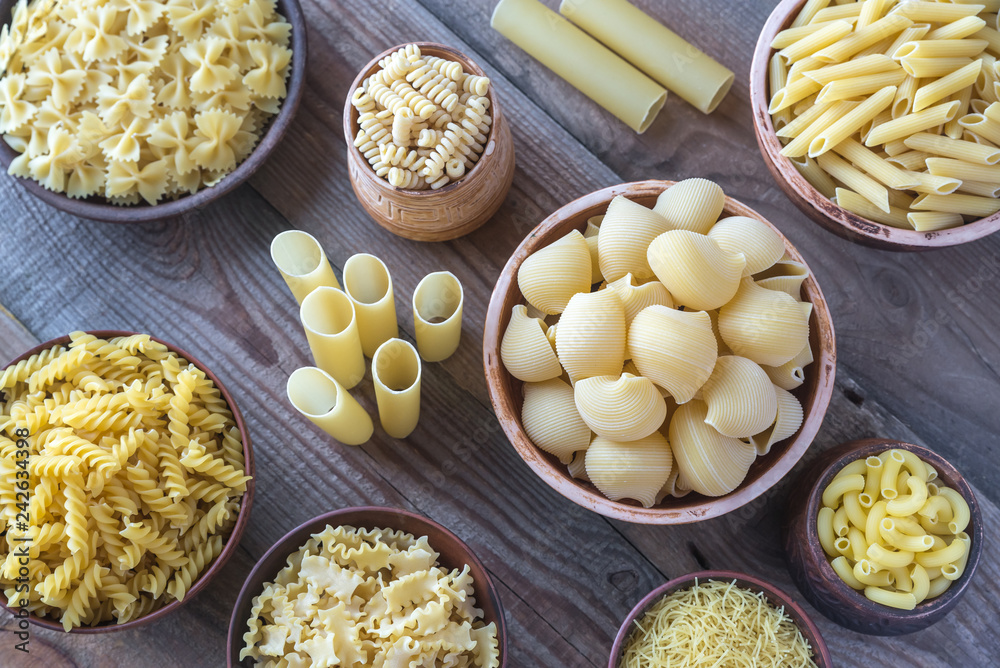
(369, 287)
(956, 149)
(302, 263)
(852, 122)
(578, 58)
(967, 205)
(331, 326)
(912, 124)
(318, 396)
(437, 315)
(396, 374)
(655, 49)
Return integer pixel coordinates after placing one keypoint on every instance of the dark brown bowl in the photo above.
(506, 392)
(454, 554)
(97, 208)
(777, 598)
(451, 211)
(816, 578)
(809, 200)
(242, 518)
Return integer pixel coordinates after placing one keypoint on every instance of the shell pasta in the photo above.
(658, 365)
(893, 118)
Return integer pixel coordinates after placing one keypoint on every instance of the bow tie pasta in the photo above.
(139, 100)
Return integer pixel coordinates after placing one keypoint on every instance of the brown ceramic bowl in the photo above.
(97, 208)
(453, 554)
(811, 202)
(507, 395)
(777, 598)
(448, 212)
(232, 541)
(811, 569)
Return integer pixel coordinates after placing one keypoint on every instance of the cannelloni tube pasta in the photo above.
(331, 326)
(302, 263)
(396, 374)
(655, 49)
(318, 396)
(437, 315)
(890, 533)
(591, 68)
(369, 286)
(921, 77)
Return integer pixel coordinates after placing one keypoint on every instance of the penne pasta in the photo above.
(963, 27)
(925, 68)
(851, 122)
(867, 65)
(934, 185)
(875, 166)
(856, 180)
(980, 189)
(799, 146)
(820, 39)
(967, 205)
(935, 12)
(808, 12)
(938, 90)
(842, 89)
(814, 174)
(956, 149)
(855, 203)
(964, 171)
(912, 123)
(862, 38)
(790, 36)
(910, 161)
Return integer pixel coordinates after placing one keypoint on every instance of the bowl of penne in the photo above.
(658, 353)
(881, 121)
(883, 537)
(141, 480)
(429, 151)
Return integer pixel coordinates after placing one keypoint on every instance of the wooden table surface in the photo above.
(918, 347)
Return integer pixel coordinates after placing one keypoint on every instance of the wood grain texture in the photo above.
(917, 341)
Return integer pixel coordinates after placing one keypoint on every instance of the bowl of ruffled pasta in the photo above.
(129, 112)
(880, 121)
(130, 474)
(429, 151)
(368, 586)
(659, 353)
(883, 537)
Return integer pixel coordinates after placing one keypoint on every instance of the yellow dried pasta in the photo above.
(135, 474)
(368, 597)
(139, 101)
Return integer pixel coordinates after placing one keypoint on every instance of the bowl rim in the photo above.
(143, 212)
(351, 127)
(232, 539)
(776, 596)
(288, 544)
(854, 450)
(825, 365)
(811, 201)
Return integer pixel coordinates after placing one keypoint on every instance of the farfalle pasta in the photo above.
(670, 371)
(139, 100)
(423, 121)
(368, 597)
(136, 471)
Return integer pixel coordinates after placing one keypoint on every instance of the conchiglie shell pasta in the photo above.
(786, 275)
(696, 271)
(626, 232)
(620, 408)
(633, 470)
(740, 398)
(674, 349)
(591, 235)
(636, 297)
(551, 420)
(723, 348)
(590, 337)
(766, 326)
(788, 421)
(712, 464)
(578, 467)
(760, 245)
(692, 204)
(791, 374)
(526, 350)
(549, 277)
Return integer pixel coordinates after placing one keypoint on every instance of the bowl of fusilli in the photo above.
(134, 469)
(131, 112)
(429, 151)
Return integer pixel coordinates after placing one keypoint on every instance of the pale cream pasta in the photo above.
(549, 277)
(713, 464)
(624, 408)
(695, 269)
(634, 469)
(551, 419)
(626, 231)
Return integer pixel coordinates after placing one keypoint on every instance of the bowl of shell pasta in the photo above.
(880, 121)
(129, 112)
(658, 353)
(127, 479)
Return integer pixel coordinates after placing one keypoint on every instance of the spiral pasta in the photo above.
(136, 469)
(420, 95)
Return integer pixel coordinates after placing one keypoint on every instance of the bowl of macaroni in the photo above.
(880, 122)
(429, 150)
(618, 421)
(201, 103)
(146, 445)
(883, 537)
(366, 557)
